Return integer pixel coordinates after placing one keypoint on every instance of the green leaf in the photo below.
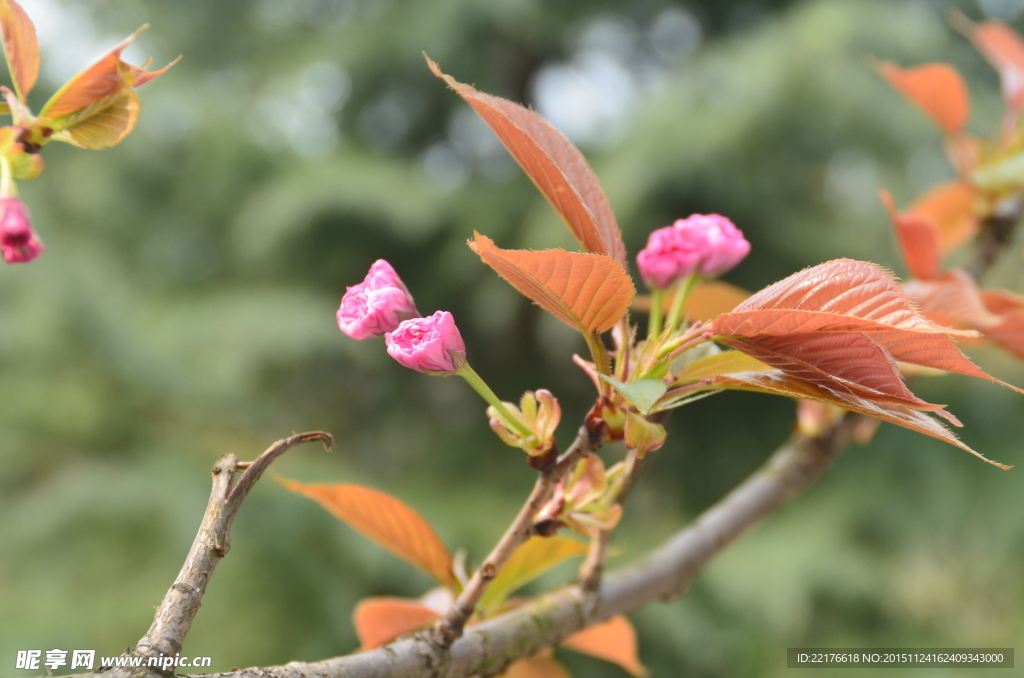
(1000, 175)
(684, 399)
(531, 560)
(642, 393)
(643, 436)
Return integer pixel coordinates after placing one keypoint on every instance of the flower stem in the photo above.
(657, 309)
(481, 387)
(683, 290)
(602, 363)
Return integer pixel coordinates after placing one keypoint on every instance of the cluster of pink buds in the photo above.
(18, 241)
(382, 306)
(704, 244)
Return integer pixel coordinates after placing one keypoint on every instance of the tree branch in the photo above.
(663, 574)
(179, 607)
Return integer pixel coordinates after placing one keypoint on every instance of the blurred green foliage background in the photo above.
(184, 308)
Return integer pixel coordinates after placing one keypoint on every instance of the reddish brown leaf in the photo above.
(588, 292)
(385, 520)
(380, 620)
(537, 666)
(950, 206)
(846, 296)
(780, 383)
(1008, 332)
(951, 299)
(1004, 49)
(20, 46)
(999, 43)
(937, 89)
(613, 640)
(850, 291)
(97, 85)
(852, 359)
(707, 300)
(557, 168)
(919, 240)
(713, 298)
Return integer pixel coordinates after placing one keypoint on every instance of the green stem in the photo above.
(657, 308)
(683, 289)
(600, 354)
(481, 387)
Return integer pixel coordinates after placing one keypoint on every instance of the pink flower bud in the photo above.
(431, 345)
(376, 305)
(18, 242)
(722, 245)
(708, 244)
(667, 257)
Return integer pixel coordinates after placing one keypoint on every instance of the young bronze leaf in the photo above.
(919, 240)
(838, 361)
(380, 620)
(780, 383)
(613, 640)
(96, 86)
(555, 166)
(531, 560)
(537, 666)
(20, 47)
(713, 298)
(1004, 49)
(707, 300)
(106, 126)
(842, 287)
(1008, 332)
(385, 520)
(999, 43)
(589, 292)
(849, 296)
(952, 299)
(950, 206)
(937, 89)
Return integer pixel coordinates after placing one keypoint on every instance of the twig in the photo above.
(995, 234)
(450, 626)
(179, 607)
(593, 565)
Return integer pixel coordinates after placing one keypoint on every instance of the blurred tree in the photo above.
(183, 309)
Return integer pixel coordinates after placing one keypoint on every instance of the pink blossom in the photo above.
(432, 345)
(722, 245)
(667, 257)
(18, 242)
(376, 305)
(708, 244)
